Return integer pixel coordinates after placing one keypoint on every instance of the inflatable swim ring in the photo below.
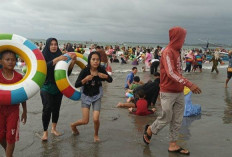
(61, 73)
(129, 95)
(36, 70)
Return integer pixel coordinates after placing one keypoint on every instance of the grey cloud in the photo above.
(118, 20)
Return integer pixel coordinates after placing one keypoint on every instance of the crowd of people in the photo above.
(165, 64)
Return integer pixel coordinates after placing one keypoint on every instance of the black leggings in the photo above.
(154, 67)
(51, 106)
(188, 68)
(214, 67)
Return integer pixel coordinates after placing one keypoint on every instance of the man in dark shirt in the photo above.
(151, 90)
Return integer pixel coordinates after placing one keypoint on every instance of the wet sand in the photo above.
(207, 135)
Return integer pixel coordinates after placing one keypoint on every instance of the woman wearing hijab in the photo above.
(69, 47)
(50, 94)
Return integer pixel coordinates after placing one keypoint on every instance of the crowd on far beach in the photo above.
(163, 63)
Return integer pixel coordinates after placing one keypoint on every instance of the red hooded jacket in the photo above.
(171, 79)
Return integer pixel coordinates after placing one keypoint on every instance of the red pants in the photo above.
(9, 123)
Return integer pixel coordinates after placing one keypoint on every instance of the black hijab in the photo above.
(49, 56)
(69, 48)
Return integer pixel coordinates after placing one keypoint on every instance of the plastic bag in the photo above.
(191, 109)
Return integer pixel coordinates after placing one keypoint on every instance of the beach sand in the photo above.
(206, 135)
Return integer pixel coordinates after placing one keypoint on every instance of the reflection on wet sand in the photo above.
(147, 151)
(227, 118)
(185, 127)
(50, 149)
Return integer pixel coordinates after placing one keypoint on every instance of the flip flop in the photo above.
(180, 151)
(145, 133)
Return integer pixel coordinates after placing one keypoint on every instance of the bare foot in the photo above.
(74, 130)
(45, 136)
(119, 105)
(130, 109)
(96, 138)
(55, 132)
(153, 109)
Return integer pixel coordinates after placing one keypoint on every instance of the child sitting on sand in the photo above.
(151, 90)
(141, 105)
(129, 92)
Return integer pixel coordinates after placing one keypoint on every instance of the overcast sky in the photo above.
(118, 20)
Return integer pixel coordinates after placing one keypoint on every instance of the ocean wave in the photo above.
(219, 67)
(122, 71)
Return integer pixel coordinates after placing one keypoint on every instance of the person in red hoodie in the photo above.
(171, 91)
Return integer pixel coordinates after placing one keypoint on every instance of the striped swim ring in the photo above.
(36, 70)
(61, 76)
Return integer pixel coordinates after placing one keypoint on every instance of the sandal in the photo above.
(180, 151)
(145, 134)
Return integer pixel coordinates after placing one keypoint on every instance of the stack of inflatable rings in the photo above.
(61, 76)
(36, 70)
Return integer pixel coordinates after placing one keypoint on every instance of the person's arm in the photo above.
(57, 59)
(71, 67)
(104, 76)
(128, 82)
(172, 72)
(73, 56)
(155, 96)
(86, 79)
(52, 63)
(24, 114)
(83, 78)
(129, 79)
(131, 85)
(175, 75)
